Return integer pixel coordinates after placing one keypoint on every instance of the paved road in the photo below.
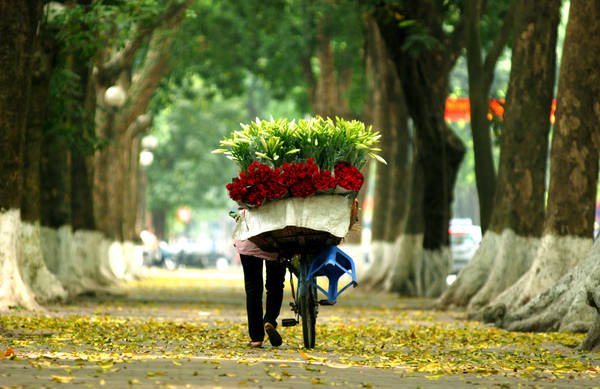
(212, 302)
(202, 372)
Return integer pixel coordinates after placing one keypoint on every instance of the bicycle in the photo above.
(309, 254)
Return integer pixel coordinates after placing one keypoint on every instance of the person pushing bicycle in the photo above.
(252, 259)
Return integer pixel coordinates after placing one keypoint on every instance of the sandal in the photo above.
(273, 335)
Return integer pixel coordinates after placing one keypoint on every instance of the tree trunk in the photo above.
(55, 180)
(103, 119)
(159, 223)
(388, 115)
(571, 198)
(33, 268)
(424, 74)
(331, 85)
(82, 204)
(405, 275)
(18, 26)
(481, 75)
(82, 207)
(57, 233)
(328, 100)
(519, 201)
(592, 340)
(441, 152)
(116, 166)
(556, 308)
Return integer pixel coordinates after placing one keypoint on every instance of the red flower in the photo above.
(275, 187)
(298, 177)
(301, 179)
(324, 180)
(258, 184)
(348, 176)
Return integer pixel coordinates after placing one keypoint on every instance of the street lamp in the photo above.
(146, 158)
(115, 96)
(53, 9)
(149, 142)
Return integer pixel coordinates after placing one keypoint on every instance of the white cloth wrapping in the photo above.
(329, 213)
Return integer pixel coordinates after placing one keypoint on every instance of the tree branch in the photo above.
(309, 76)
(139, 126)
(456, 41)
(123, 59)
(154, 69)
(499, 44)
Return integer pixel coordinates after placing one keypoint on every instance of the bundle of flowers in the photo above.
(281, 158)
(298, 179)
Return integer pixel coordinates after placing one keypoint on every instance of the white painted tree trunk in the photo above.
(356, 252)
(13, 291)
(125, 260)
(134, 260)
(580, 314)
(554, 257)
(57, 249)
(404, 267)
(435, 267)
(34, 271)
(557, 255)
(473, 276)
(79, 260)
(116, 260)
(512, 258)
(90, 248)
(563, 307)
(405, 260)
(377, 268)
(576, 311)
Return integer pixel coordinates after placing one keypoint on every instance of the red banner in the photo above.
(459, 109)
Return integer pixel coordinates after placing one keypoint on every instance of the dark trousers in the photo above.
(253, 283)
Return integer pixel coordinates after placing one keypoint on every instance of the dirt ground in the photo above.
(49, 353)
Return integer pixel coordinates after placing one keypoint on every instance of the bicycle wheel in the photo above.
(307, 295)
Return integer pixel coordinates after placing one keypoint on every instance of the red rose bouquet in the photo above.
(299, 179)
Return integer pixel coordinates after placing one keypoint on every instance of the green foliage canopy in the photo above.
(273, 40)
(184, 171)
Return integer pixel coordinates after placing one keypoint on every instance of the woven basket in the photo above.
(293, 240)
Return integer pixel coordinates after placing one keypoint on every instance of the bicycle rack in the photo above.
(332, 263)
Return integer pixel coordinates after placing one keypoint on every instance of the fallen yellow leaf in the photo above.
(62, 379)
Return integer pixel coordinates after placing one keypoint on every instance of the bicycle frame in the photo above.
(332, 263)
(304, 303)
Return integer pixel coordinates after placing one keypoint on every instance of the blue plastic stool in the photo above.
(332, 263)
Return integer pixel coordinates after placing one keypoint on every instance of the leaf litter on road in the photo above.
(165, 317)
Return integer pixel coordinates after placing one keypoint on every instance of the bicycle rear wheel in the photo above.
(307, 295)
